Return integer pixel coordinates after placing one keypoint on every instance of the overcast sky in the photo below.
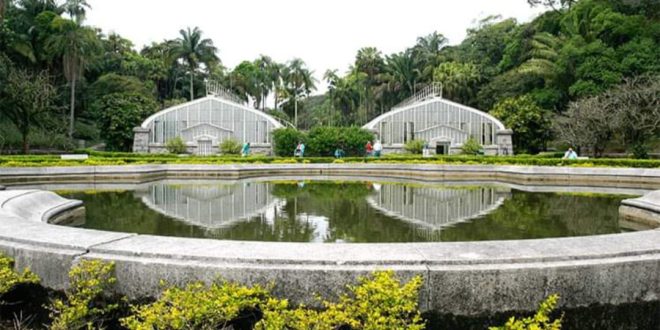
(325, 34)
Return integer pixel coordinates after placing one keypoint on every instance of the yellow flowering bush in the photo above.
(10, 278)
(378, 302)
(85, 306)
(197, 306)
(540, 321)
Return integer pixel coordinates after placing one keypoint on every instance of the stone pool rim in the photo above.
(464, 278)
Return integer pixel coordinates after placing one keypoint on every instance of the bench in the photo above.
(74, 157)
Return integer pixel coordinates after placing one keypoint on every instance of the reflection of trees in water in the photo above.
(540, 215)
(348, 215)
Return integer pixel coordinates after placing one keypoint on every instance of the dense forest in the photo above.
(583, 73)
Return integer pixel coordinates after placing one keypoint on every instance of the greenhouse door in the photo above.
(442, 149)
(204, 147)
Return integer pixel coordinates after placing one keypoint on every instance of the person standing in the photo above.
(246, 149)
(378, 148)
(570, 154)
(369, 148)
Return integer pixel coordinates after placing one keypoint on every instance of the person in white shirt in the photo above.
(570, 154)
(378, 148)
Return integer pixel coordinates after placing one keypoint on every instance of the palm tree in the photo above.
(275, 71)
(76, 45)
(77, 9)
(369, 61)
(426, 52)
(459, 80)
(403, 72)
(193, 51)
(299, 82)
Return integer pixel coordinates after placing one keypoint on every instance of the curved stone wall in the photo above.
(464, 278)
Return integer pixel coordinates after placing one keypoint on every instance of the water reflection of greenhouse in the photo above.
(220, 206)
(430, 209)
(210, 206)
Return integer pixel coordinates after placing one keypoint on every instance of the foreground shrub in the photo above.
(176, 146)
(377, 302)
(285, 141)
(87, 304)
(197, 307)
(415, 147)
(471, 147)
(10, 278)
(230, 147)
(540, 321)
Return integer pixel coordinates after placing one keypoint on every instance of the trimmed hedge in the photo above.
(114, 158)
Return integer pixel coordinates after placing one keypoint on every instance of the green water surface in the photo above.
(328, 211)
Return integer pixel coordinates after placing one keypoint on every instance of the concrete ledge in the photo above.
(465, 278)
(644, 210)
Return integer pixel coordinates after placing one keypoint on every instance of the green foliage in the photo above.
(9, 278)
(377, 302)
(459, 80)
(87, 304)
(118, 114)
(176, 146)
(230, 147)
(197, 307)
(530, 124)
(322, 141)
(285, 141)
(415, 147)
(114, 83)
(25, 99)
(540, 321)
(471, 147)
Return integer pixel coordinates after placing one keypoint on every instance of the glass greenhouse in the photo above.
(444, 125)
(204, 124)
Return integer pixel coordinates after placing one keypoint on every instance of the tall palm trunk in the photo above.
(295, 114)
(191, 85)
(26, 143)
(73, 106)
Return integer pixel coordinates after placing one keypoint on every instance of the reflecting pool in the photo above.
(347, 211)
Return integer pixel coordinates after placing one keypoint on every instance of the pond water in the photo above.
(347, 211)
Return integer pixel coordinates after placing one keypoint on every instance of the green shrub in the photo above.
(415, 147)
(471, 147)
(197, 306)
(322, 141)
(87, 304)
(10, 278)
(118, 113)
(230, 147)
(377, 302)
(285, 141)
(176, 146)
(540, 321)
(354, 140)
